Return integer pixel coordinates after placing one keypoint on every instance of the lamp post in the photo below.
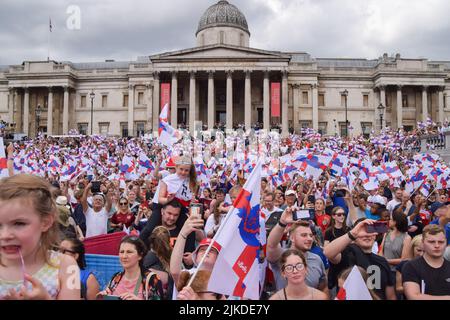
(92, 96)
(335, 128)
(380, 109)
(345, 93)
(38, 118)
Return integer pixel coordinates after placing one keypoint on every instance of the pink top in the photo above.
(126, 285)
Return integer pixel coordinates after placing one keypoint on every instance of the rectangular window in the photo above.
(83, 101)
(305, 124)
(342, 100)
(104, 101)
(342, 129)
(140, 128)
(140, 98)
(125, 100)
(323, 128)
(124, 129)
(82, 128)
(321, 99)
(366, 128)
(365, 100)
(405, 101)
(104, 128)
(305, 97)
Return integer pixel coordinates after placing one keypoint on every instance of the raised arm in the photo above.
(164, 197)
(176, 259)
(84, 197)
(10, 161)
(274, 249)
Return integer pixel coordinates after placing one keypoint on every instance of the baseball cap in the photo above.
(205, 242)
(61, 201)
(290, 192)
(170, 163)
(378, 200)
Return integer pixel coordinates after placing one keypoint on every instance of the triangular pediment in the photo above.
(218, 52)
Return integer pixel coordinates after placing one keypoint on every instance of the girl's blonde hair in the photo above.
(38, 192)
(415, 242)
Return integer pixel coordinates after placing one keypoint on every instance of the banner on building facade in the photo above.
(275, 99)
(165, 97)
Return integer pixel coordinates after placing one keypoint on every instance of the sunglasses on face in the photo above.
(123, 203)
(64, 251)
(339, 214)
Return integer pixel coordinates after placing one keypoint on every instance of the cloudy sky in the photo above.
(123, 30)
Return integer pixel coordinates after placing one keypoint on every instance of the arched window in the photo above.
(222, 37)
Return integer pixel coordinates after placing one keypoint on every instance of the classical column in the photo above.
(192, 102)
(284, 104)
(383, 102)
(399, 107)
(156, 99)
(49, 112)
(441, 104)
(11, 105)
(174, 100)
(248, 100)
(424, 104)
(26, 111)
(131, 109)
(315, 107)
(229, 99)
(211, 101)
(66, 111)
(296, 119)
(266, 101)
(149, 106)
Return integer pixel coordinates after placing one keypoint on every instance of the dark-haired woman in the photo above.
(89, 284)
(134, 282)
(396, 245)
(338, 227)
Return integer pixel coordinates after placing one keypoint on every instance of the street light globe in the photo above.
(92, 95)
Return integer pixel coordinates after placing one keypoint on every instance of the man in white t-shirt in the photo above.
(271, 212)
(395, 201)
(96, 216)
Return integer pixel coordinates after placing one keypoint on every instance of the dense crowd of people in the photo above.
(329, 204)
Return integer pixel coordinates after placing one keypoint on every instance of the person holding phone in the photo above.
(355, 248)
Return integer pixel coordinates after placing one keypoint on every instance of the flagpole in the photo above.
(222, 224)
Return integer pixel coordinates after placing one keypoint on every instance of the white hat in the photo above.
(378, 200)
(61, 200)
(290, 192)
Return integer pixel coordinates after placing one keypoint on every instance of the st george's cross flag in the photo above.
(167, 134)
(237, 271)
(3, 161)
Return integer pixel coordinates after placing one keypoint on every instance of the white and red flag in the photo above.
(167, 134)
(354, 288)
(237, 271)
(3, 160)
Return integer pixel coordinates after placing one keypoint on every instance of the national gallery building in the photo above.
(223, 81)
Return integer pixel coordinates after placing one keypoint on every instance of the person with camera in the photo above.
(271, 212)
(301, 237)
(96, 216)
(355, 248)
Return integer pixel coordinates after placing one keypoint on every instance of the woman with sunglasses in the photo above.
(294, 269)
(89, 284)
(337, 227)
(123, 216)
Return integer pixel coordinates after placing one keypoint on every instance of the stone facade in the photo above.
(224, 79)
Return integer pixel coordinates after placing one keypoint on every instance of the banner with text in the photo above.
(165, 97)
(275, 99)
